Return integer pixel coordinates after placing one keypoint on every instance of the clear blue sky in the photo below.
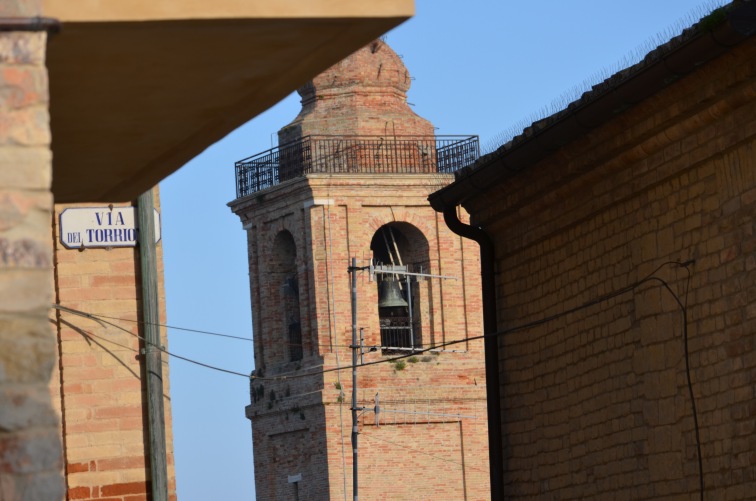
(480, 67)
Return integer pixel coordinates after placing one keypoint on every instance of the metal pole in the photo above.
(353, 270)
(409, 306)
(152, 345)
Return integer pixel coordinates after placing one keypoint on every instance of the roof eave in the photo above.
(595, 108)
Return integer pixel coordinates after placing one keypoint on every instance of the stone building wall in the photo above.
(98, 385)
(595, 403)
(30, 450)
(435, 443)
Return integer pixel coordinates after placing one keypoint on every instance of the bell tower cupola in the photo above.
(363, 95)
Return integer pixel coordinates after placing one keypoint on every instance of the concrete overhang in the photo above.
(140, 87)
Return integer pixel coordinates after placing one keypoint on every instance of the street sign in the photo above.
(92, 227)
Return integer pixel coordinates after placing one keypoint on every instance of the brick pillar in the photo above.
(100, 378)
(30, 450)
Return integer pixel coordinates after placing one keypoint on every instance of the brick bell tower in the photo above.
(350, 179)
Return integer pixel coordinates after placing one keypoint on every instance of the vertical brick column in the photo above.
(102, 395)
(30, 450)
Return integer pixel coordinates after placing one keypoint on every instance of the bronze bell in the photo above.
(389, 295)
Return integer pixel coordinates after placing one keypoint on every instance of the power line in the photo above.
(173, 327)
(650, 278)
(630, 288)
(88, 334)
(601, 299)
(297, 375)
(161, 348)
(528, 325)
(230, 336)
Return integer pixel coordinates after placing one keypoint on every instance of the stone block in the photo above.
(30, 451)
(21, 48)
(24, 253)
(25, 406)
(25, 168)
(25, 290)
(27, 349)
(37, 487)
(27, 126)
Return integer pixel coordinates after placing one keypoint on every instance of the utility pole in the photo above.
(152, 346)
(353, 270)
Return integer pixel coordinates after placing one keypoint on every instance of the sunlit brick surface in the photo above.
(98, 387)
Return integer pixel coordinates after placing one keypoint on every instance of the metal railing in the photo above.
(399, 334)
(355, 155)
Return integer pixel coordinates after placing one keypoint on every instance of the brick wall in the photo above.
(98, 386)
(30, 450)
(435, 444)
(595, 404)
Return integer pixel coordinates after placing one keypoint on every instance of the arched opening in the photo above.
(399, 249)
(284, 275)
